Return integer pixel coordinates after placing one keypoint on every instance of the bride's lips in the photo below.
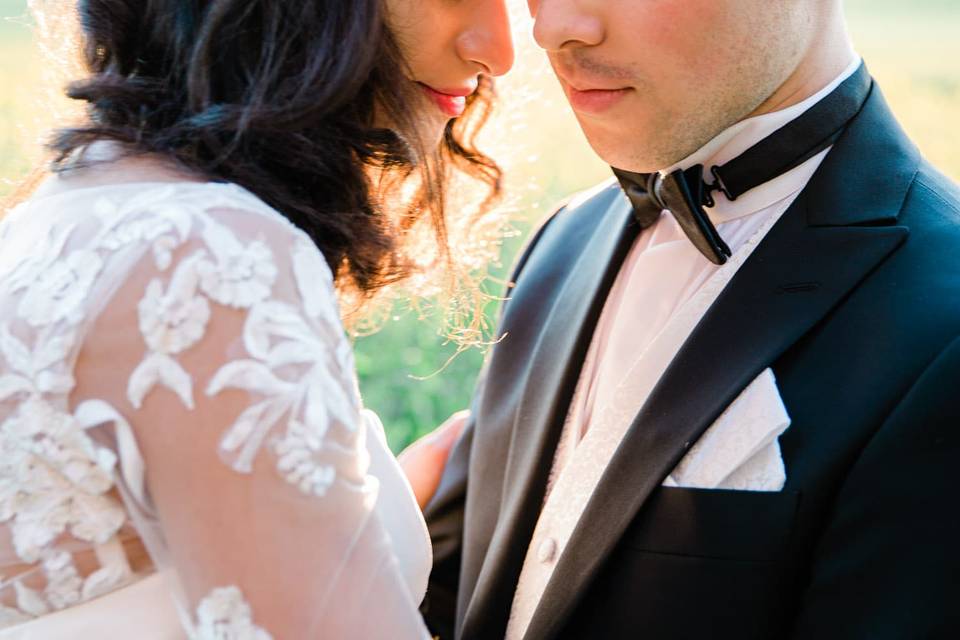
(452, 102)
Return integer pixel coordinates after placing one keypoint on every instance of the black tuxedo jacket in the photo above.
(854, 300)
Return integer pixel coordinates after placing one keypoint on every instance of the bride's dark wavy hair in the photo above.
(279, 96)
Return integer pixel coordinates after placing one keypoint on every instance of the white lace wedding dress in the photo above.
(184, 449)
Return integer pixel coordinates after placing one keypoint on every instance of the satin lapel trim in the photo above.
(776, 297)
(549, 386)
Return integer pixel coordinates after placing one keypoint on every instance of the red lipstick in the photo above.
(452, 102)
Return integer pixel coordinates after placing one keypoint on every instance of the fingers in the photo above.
(447, 433)
(423, 461)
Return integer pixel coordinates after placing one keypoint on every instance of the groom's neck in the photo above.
(828, 53)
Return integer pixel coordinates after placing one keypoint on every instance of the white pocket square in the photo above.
(740, 450)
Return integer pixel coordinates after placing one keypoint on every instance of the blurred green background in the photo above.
(911, 46)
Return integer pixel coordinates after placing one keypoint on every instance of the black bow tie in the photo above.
(686, 192)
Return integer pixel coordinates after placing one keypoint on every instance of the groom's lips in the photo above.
(594, 100)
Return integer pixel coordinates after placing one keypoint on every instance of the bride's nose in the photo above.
(486, 39)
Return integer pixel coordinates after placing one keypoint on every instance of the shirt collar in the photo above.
(739, 137)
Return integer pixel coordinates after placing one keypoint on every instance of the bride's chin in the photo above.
(429, 136)
(429, 123)
(430, 128)
(434, 138)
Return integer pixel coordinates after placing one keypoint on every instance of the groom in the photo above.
(727, 400)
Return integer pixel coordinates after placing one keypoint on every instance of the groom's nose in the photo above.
(488, 42)
(560, 24)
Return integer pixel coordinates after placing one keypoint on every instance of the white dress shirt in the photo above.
(663, 288)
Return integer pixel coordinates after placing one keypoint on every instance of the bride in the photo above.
(184, 449)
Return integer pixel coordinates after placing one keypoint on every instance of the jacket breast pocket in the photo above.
(715, 523)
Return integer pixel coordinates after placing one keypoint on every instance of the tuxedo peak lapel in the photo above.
(866, 177)
(549, 386)
(815, 254)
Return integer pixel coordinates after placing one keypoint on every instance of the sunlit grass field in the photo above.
(911, 46)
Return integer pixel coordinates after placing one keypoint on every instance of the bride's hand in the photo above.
(424, 460)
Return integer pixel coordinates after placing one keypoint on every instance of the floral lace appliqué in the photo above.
(225, 615)
(57, 482)
(238, 276)
(171, 321)
(53, 288)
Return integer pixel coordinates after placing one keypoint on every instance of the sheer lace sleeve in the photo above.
(215, 378)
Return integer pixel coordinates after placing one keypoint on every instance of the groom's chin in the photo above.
(623, 148)
(637, 144)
